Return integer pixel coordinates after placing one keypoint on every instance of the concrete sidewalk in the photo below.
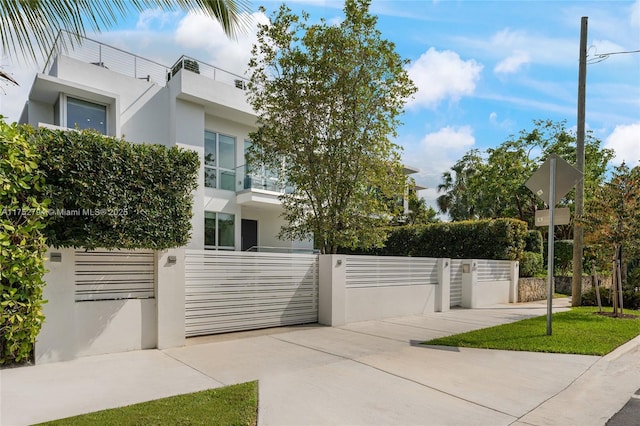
(368, 373)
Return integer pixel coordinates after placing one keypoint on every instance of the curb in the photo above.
(631, 345)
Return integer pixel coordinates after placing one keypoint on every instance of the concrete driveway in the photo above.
(367, 373)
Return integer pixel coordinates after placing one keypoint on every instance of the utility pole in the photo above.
(576, 283)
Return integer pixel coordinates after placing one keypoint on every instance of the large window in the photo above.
(86, 115)
(219, 230)
(219, 161)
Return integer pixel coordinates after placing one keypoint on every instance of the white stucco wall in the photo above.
(73, 329)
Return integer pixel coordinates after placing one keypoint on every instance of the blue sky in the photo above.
(484, 69)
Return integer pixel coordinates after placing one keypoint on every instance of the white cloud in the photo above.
(539, 48)
(512, 63)
(442, 75)
(434, 154)
(501, 124)
(634, 16)
(155, 19)
(625, 141)
(198, 31)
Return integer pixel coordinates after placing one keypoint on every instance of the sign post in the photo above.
(558, 177)
(551, 240)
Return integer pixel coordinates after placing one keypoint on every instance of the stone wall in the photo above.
(530, 289)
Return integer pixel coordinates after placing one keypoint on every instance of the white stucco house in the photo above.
(190, 104)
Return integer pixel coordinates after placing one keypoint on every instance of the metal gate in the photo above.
(233, 291)
(455, 288)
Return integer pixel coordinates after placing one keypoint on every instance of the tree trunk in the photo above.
(596, 285)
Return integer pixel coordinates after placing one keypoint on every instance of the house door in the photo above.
(249, 234)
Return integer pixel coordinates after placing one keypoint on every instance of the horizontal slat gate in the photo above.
(455, 289)
(233, 291)
(114, 275)
(494, 270)
(381, 271)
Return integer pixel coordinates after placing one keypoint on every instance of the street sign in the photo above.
(561, 217)
(566, 177)
(551, 182)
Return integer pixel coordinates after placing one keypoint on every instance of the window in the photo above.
(219, 161)
(260, 177)
(86, 115)
(219, 230)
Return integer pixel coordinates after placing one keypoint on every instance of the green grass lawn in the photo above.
(232, 405)
(578, 331)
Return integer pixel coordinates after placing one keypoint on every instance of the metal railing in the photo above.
(190, 64)
(260, 178)
(103, 55)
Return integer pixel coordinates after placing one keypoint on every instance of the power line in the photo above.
(599, 57)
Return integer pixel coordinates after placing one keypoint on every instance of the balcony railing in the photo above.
(103, 55)
(260, 178)
(126, 63)
(209, 71)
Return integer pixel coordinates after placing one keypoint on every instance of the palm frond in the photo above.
(31, 26)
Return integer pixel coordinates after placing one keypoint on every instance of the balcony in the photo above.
(105, 56)
(259, 187)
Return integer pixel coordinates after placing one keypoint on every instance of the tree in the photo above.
(459, 200)
(612, 216)
(328, 98)
(31, 26)
(492, 185)
(419, 213)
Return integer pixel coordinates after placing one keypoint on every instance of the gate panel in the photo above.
(456, 283)
(233, 291)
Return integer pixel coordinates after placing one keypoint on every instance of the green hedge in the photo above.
(563, 257)
(531, 264)
(500, 239)
(22, 245)
(107, 192)
(534, 242)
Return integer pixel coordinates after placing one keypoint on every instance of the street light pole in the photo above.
(576, 283)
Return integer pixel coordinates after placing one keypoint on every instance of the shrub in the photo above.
(22, 245)
(630, 297)
(533, 242)
(480, 239)
(107, 192)
(563, 257)
(530, 264)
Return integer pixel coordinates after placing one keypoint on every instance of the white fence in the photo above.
(456, 283)
(377, 271)
(231, 291)
(114, 275)
(114, 301)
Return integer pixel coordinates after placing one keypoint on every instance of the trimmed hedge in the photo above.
(563, 257)
(531, 264)
(534, 242)
(22, 245)
(499, 239)
(107, 192)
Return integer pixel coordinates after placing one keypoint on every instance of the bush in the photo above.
(500, 239)
(531, 264)
(630, 297)
(533, 242)
(563, 257)
(22, 245)
(107, 192)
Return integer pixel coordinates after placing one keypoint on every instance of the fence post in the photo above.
(332, 291)
(57, 338)
(515, 278)
(469, 281)
(170, 281)
(443, 291)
